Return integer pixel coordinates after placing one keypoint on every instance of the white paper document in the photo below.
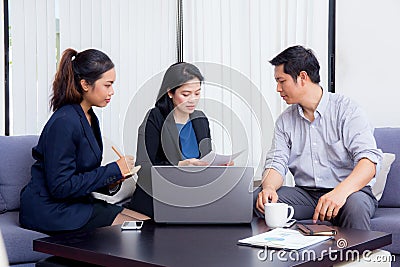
(215, 159)
(282, 238)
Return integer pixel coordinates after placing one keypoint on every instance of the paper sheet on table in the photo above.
(215, 159)
(283, 238)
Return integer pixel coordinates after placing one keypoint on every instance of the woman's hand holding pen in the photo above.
(126, 165)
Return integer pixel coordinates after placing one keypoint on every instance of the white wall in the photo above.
(368, 58)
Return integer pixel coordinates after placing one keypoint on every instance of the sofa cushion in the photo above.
(16, 161)
(387, 220)
(388, 139)
(19, 241)
(381, 177)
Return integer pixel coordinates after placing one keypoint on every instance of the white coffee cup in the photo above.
(276, 214)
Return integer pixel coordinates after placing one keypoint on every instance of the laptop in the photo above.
(202, 195)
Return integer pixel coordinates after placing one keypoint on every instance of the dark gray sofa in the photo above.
(387, 217)
(16, 160)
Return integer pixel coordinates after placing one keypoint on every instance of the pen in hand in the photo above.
(117, 152)
(130, 172)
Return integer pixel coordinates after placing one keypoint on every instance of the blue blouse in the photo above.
(188, 141)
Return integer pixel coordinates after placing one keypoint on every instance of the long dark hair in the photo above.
(88, 65)
(175, 76)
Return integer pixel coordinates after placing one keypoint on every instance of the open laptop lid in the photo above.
(198, 195)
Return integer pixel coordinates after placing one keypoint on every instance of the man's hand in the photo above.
(268, 194)
(329, 205)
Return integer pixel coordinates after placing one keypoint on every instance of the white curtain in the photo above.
(32, 63)
(230, 40)
(2, 103)
(139, 36)
(233, 40)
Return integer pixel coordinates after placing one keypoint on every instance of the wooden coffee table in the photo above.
(200, 245)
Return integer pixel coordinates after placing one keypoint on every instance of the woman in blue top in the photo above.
(69, 153)
(173, 132)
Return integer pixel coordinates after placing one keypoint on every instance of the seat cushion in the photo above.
(388, 139)
(387, 220)
(16, 161)
(19, 241)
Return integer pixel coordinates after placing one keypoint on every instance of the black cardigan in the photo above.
(158, 144)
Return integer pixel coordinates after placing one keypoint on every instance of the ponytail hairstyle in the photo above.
(88, 65)
(176, 75)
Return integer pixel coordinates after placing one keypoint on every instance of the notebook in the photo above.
(316, 229)
(202, 195)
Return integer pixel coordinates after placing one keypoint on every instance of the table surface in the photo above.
(200, 245)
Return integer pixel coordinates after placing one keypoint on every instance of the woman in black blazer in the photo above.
(69, 153)
(173, 132)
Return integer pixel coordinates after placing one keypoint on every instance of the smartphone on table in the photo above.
(132, 225)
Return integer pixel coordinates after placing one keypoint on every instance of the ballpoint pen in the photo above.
(131, 172)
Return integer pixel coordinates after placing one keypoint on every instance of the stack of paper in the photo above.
(215, 159)
(282, 238)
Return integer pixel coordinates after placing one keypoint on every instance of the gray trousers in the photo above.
(356, 212)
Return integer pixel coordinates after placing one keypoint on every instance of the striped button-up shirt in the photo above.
(324, 152)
